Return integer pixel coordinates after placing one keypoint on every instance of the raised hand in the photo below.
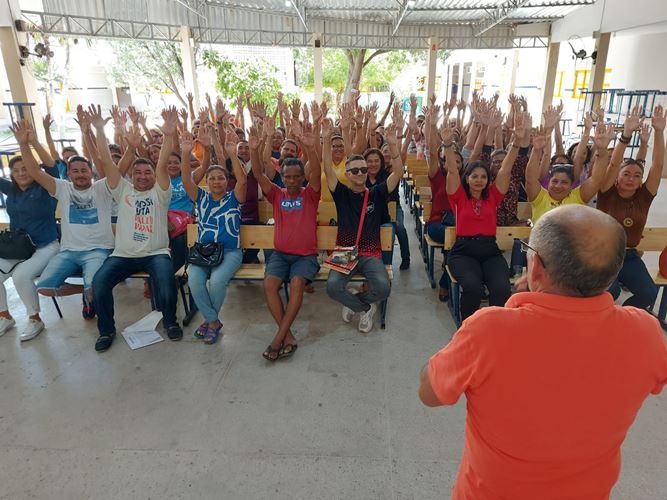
(645, 133)
(95, 116)
(295, 107)
(588, 121)
(324, 110)
(184, 115)
(23, 132)
(446, 133)
(327, 127)
(47, 122)
(461, 105)
(551, 117)
(132, 113)
(254, 135)
(204, 135)
(269, 127)
(133, 136)
(540, 138)
(190, 97)
(658, 120)
(413, 103)
(315, 111)
(170, 117)
(204, 114)
(231, 140)
(187, 142)
(603, 135)
(307, 138)
(632, 121)
(220, 110)
(390, 135)
(523, 123)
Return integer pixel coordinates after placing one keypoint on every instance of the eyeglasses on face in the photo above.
(525, 247)
(357, 171)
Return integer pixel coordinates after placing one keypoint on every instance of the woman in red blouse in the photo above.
(475, 259)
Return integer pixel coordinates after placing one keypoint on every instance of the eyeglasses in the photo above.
(357, 171)
(525, 247)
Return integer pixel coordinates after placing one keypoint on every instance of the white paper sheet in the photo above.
(143, 333)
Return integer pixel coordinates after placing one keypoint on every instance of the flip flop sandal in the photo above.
(104, 342)
(211, 335)
(201, 331)
(270, 350)
(286, 354)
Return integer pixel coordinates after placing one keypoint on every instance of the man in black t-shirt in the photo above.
(349, 202)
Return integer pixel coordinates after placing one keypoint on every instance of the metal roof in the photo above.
(337, 23)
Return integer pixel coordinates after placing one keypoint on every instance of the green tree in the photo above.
(234, 78)
(149, 67)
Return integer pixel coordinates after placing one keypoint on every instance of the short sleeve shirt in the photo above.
(141, 230)
(339, 168)
(552, 385)
(475, 217)
(439, 200)
(296, 220)
(348, 207)
(85, 216)
(543, 202)
(218, 221)
(179, 197)
(631, 212)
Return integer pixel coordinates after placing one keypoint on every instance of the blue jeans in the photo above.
(68, 263)
(436, 231)
(401, 233)
(210, 297)
(378, 285)
(637, 279)
(116, 269)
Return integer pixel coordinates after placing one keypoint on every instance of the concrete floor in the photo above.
(341, 419)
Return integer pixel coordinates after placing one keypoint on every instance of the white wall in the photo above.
(638, 61)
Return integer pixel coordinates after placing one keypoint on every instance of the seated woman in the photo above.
(625, 197)
(475, 259)
(219, 221)
(31, 209)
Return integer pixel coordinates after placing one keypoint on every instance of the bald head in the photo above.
(582, 249)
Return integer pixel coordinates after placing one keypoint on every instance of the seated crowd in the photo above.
(213, 171)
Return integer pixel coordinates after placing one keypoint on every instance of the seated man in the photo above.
(554, 379)
(142, 241)
(349, 202)
(295, 239)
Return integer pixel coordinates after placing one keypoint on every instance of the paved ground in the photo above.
(185, 420)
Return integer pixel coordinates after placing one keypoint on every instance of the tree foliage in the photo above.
(234, 78)
(148, 66)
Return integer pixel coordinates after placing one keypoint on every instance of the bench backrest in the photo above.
(524, 210)
(261, 237)
(654, 239)
(325, 212)
(505, 236)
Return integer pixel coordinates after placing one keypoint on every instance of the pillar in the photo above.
(550, 75)
(596, 82)
(473, 79)
(461, 67)
(515, 65)
(317, 67)
(189, 67)
(431, 61)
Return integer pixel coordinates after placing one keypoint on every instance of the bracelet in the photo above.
(624, 139)
(515, 146)
(448, 145)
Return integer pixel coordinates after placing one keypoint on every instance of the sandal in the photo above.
(201, 331)
(104, 342)
(211, 335)
(270, 350)
(284, 353)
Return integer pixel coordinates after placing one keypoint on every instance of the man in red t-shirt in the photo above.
(553, 380)
(294, 258)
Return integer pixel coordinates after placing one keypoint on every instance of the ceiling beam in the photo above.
(402, 12)
(497, 14)
(490, 6)
(298, 12)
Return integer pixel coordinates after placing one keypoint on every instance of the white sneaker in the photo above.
(366, 319)
(348, 314)
(31, 331)
(6, 324)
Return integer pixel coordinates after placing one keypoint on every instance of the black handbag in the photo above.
(16, 245)
(206, 254)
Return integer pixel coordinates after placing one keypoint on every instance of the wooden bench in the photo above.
(326, 212)
(654, 239)
(261, 238)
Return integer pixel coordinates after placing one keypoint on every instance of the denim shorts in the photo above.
(286, 267)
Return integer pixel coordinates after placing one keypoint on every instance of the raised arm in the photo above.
(231, 139)
(332, 180)
(644, 136)
(522, 128)
(582, 148)
(205, 138)
(314, 171)
(392, 97)
(453, 175)
(112, 173)
(41, 151)
(258, 170)
(170, 117)
(658, 123)
(603, 136)
(391, 133)
(25, 136)
(533, 186)
(47, 122)
(632, 122)
(189, 184)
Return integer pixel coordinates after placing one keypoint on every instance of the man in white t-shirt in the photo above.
(87, 237)
(142, 239)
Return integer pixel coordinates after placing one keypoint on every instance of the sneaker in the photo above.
(174, 332)
(366, 319)
(88, 311)
(405, 264)
(6, 324)
(34, 328)
(348, 314)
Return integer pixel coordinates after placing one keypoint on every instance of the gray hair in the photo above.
(573, 261)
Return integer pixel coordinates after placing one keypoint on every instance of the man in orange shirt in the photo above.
(554, 379)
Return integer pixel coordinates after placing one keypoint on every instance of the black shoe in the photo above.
(174, 332)
(104, 342)
(405, 264)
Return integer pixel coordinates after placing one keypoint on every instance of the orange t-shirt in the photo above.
(552, 385)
